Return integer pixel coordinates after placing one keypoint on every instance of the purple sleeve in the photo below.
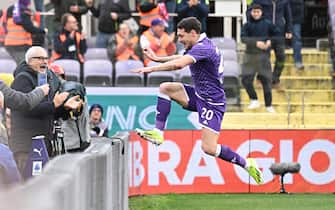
(198, 52)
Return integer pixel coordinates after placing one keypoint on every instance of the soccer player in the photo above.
(207, 97)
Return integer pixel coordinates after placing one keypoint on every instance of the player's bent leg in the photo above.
(176, 91)
(209, 146)
(209, 141)
(167, 91)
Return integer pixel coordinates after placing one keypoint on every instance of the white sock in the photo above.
(162, 95)
(218, 150)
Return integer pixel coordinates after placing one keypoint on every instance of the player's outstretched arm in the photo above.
(148, 52)
(173, 65)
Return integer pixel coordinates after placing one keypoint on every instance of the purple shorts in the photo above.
(210, 114)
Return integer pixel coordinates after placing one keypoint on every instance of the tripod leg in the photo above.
(282, 187)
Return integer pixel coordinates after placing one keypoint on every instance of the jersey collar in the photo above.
(202, 37)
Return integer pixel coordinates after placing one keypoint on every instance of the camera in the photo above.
(75, 89)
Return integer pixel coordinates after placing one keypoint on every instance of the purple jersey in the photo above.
(205, 71)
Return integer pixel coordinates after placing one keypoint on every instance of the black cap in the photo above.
(96, 106)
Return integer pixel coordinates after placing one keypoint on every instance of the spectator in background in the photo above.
(39, 7)
(110, 13)
(279, 13)
(90, 6)
(39, 120)
(171, 8)
(123, 45)
(69, 43)
(297, 8)
(20, 29)
(194, 8)
(149, 11)
(3, 19)
(20, 101)
(257, 34)
(97, 125)
(74, 7)
(58, 70)
(158, 40)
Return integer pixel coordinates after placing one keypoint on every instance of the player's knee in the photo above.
(208, 149)
(164, 87)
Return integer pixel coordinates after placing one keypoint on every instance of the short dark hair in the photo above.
(65, 18)
(96, 106)
(190, 23)
(256, 6)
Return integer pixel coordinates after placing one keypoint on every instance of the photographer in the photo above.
(71, 130)
(38, 121)
(69, 43)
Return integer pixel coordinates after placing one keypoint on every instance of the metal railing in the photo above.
(96, 179)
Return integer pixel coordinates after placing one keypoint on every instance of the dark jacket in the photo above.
(63, 6)
(39, 120)
(100, 129)
(68, 49)
(297, 8)
(147, 6)
(95, 10)
(21, 101)
(258, 30)
(106, 23)
(282, 13)
(200, 11)
(255, 59)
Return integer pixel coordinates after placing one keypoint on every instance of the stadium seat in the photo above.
(91, 42)
(331, 7)
(96, 53)
(231, 81)
(156, 78)
(98, 72)
(231, 68)
(224, 43)
(71, 68)
(124, 77)
(7, 65)
(229, 55)
(4, 54)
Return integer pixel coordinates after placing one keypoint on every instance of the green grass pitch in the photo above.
(234, 202)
